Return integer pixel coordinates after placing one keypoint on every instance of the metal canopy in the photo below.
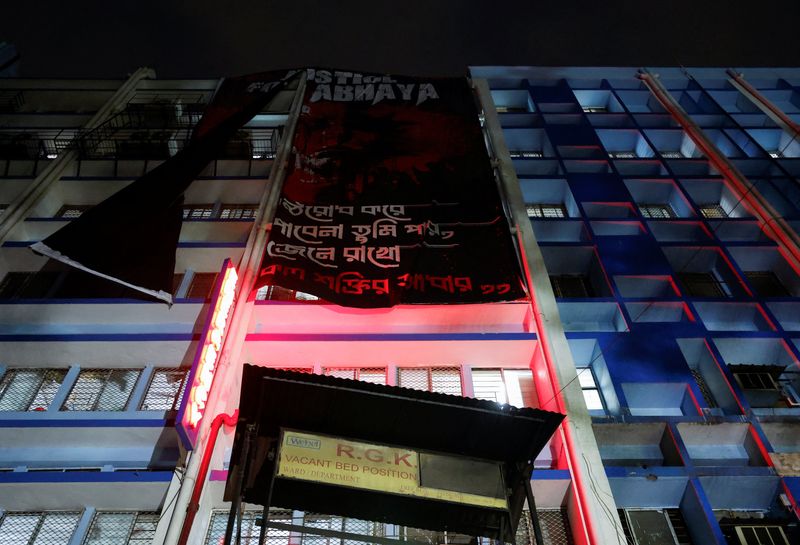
(272, 399)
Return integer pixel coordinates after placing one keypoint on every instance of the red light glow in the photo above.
(212, 344)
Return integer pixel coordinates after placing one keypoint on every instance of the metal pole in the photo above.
(273, 454)
(537, 530)
(236, 503)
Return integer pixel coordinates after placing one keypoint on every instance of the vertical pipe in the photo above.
(537, 529)
(763, 104)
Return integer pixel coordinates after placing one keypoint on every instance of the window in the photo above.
(525, 154)
(703, 284)
(123, 528)
(713, 211)
(224, 212)
(165, 391)
(44, 528)
(761, 535)
(755, 380)
(238, 211)
(29, 389)
(375, 375)
(672, 155)
(28, 285)
(571, 285)
(250, 527)
(591, 393)
(657, 211)
(101, 390)
(766, 284)
(72, 211)
(443, 380)
(594, 109)
(198, 212)
(775, 154)
(622, 154)
(552, 210)
(201, 286)
(649, 527)
(512, 386)
(277, 293)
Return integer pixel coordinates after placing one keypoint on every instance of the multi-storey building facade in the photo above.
(657, 215)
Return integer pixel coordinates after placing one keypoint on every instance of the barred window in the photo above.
(122, 528)
(713, 211)
(101, 390)
(43, 528)
(338, 524)
(250, 527)
(165, 391)
(443, 380)
(29, 389)
(546, 210)
(758, 535)
(672, 155)
(657, 211)
(525, 154)
(755, 381)
(238, 211)
(198, 212)
(375, 375)
(72, 211)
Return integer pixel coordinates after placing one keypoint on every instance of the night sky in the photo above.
(204, 38)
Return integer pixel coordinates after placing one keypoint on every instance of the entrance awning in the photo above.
(274, 400)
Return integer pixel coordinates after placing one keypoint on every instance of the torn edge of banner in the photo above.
(47, 251)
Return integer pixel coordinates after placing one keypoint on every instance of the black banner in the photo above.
(390, 198)
(131, 237)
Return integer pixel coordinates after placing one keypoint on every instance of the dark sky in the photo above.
(204, 38)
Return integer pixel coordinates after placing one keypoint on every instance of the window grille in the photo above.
(101, 390)
(550, 210)
(571, 285)
(338, 524)
(122, 528)
(622, 154)
(761, 535)
(591, 393)
(703, 285)
(443, 380)
(165, 391)
(29, 389)
(756, 381)
(657, 211)
(201, 286)
(238, 211)
(251, 526)
(198, 212)
(72, 211)
(672, 155)
(713, 211)
(594, 109)
(43, 528)
(766, 284)
(374, 375)
(554, 525)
